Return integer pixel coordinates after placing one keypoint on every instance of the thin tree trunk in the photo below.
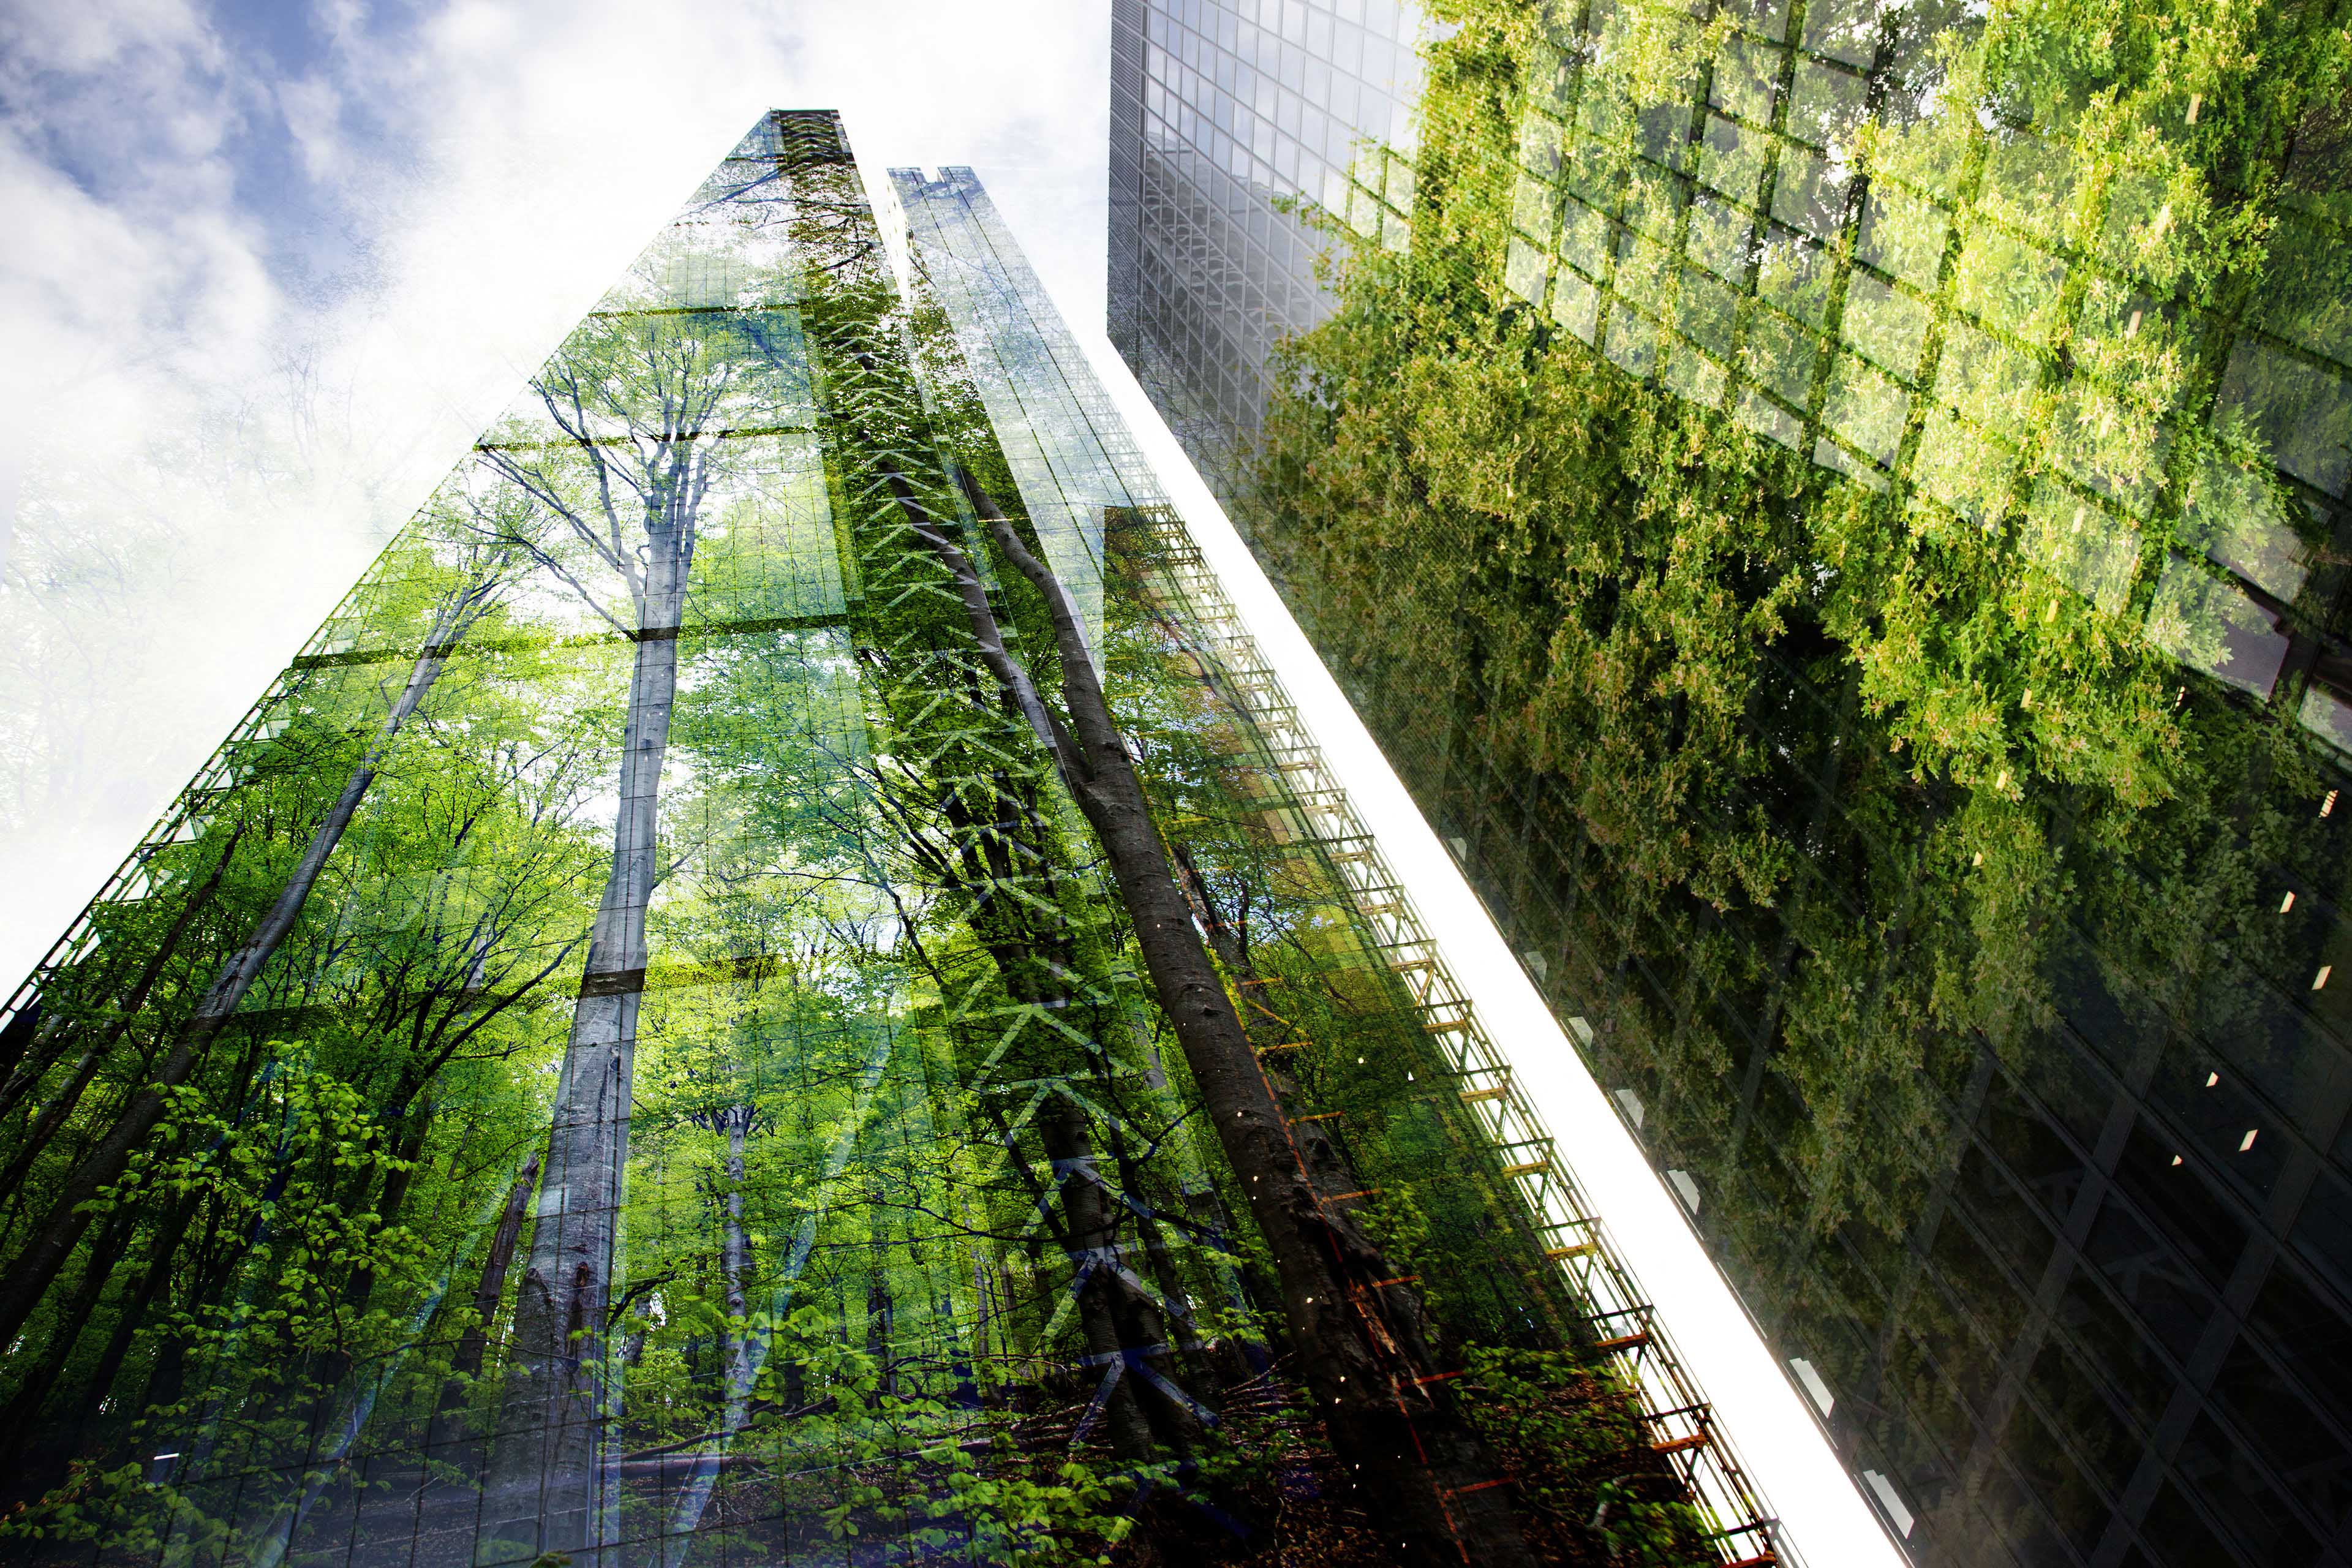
(734, 1245)
(23, 1056)
(1118, 1326)
(1238, 1361)
(164, 1247)
(1094, 1252)
(20, 1418)
(739, 1243)
(1365, 1354)
(29, 1275)
(546, 1474)
(751, 1350)
(334, 1364)
(52, 1114)
(407, 1151)
(881, 1324)
(1149, 1362)
(212, 1265)
(1182, 1328)
(449, 1411)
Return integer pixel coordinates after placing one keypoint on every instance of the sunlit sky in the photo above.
(269, 270)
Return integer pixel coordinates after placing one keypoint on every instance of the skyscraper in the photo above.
(779, 980)
(1223, 114)
(1835, 514)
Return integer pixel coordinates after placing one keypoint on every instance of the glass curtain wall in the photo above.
(1839, 516)
(1225, 114)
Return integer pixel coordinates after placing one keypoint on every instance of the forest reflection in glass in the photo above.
(631, 1053)
(1838, 515)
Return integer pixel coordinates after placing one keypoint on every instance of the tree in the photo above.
(480, 573)
(637, 404)
(1375, 1378)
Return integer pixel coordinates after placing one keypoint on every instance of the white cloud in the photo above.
(312, 110)
(255, 310)
(81, 39)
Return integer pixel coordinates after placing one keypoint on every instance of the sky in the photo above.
(269, 270)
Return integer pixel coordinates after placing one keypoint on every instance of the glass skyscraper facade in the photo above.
(634, 1053)
(1836, 513)
(1223, 112)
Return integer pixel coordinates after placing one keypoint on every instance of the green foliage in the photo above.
(1585, 1475)
(1821, 604)
(907, 1129)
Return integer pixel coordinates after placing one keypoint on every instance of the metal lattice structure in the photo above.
(1625, 1323)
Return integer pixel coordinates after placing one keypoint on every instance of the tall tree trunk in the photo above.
(30, 1274)
(1365, 1355)
(449, 1410)
(546, 1480)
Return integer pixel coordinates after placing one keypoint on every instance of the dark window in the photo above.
(2013, 1226)
(2118, 1346)
(1974, 1278)
(2033, 1149)
(2306, 1332)
(2179, 1203)
(2178, 1536)
(2322, 1229)
(2237, 1489)
(2074, 1505)
(2101, 1434)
